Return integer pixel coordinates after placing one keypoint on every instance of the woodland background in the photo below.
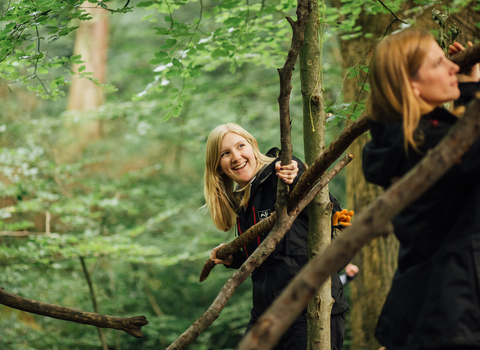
(110, 172)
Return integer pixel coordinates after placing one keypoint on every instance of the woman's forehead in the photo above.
(231, 138)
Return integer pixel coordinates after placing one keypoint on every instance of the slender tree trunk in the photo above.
(319, 210)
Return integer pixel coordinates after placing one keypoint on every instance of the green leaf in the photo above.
(219, 52)
(38, 56)
(82, 68)
(144, 3)
(30, 47)
(42, 70)
(168, 44)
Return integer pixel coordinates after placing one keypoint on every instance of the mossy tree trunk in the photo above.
(319, 210)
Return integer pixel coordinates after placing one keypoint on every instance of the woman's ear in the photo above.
(415, 88)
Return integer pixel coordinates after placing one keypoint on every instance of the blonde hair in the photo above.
(218, 192)
(395, 63)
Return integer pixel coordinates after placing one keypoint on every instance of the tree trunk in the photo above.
(319, 210)
(91, 42)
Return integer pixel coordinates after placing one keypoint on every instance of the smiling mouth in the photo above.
(240, 166)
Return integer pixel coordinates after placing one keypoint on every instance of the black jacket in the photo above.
(434, 300)
(467, 90)
(290, 254)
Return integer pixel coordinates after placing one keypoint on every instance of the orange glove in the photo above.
(342, 218)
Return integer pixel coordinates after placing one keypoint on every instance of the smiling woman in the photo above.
(240, 190)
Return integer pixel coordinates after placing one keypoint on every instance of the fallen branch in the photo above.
(130, 325)
(256, 259)
(285, 309)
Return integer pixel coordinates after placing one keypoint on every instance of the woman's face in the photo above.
(237, 160)
(436, 81)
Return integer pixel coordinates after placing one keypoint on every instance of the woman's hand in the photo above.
(213, 256)
(287, 173)
(474, 74)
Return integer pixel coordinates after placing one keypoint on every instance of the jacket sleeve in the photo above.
(238, 259)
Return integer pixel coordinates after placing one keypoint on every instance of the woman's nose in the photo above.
(456, 68)
(235, 155)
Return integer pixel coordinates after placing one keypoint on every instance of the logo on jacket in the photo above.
(263, 214)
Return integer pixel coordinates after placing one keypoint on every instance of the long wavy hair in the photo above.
(395, 64)
(218, 191)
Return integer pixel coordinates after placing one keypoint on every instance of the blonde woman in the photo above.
(434, 301)
(240, 190)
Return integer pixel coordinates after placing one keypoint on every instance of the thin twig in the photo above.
(394, 15)
(101, 335)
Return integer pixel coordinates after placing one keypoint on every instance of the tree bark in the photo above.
(130, 325)
(370, 224)
(319, 211)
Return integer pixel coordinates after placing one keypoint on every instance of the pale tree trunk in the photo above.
(319, 210)
(91, 42)
(377, 260)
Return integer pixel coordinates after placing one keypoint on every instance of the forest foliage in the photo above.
(130, 202)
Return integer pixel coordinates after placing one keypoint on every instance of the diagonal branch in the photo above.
(328, 157)
(282, 313)
(130, 325)
(256, 259)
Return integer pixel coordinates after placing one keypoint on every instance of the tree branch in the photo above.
(282, 313)
(130, 325)
(328, 157)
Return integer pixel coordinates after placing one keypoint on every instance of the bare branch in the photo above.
(101, 335)
(130, 325)
(394, 15)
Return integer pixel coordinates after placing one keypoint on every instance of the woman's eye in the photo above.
(224, 154)
(241, 145)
